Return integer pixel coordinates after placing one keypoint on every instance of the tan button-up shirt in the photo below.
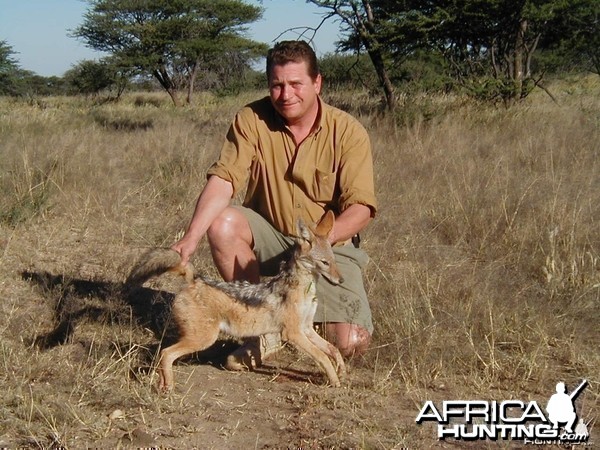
(331, 169)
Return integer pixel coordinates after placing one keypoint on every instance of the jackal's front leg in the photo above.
(301, 341)
(329, 349)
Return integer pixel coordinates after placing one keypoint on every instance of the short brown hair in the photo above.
(293, 51)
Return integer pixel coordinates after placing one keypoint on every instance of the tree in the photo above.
(496, 40)
(485, 42)
(7, 62)
(489, 45)
(92, 77)
(363, 30)
(170, 39)
(341, 70)
(575, 33)
(497, 45)
(8, 69)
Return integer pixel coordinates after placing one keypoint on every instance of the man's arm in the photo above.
(356, 182)
(351, 221)
(213, 200)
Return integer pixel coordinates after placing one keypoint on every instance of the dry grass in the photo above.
(485, 273)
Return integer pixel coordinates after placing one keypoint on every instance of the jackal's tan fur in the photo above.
(284, 304)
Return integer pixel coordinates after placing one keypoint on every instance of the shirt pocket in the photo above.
(322, 187)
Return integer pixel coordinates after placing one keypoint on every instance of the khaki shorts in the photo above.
(346, 302)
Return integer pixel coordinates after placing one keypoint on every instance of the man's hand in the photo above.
(186, 248)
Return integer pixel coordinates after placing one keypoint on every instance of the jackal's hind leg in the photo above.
(185, 346)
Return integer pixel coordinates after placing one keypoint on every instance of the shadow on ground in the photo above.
(75, 301)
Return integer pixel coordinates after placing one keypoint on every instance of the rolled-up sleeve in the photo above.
(237, 153)
(356, 169)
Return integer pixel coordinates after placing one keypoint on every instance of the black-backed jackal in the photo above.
(283, 304)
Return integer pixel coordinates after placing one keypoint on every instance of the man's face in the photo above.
(293, 92)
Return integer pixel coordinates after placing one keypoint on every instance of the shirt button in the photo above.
(298, 205)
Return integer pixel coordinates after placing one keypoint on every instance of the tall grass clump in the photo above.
(486, 269)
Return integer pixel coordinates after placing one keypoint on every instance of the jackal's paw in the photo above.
(164, 389)
(335, 383)
(238, 363)
(340, 369)
(163, 386)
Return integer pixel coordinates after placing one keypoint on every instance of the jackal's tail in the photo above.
(157, 261)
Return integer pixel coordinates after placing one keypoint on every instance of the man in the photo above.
(297, 157)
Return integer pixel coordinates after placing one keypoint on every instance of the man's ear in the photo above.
(318, 82)
(325, 225)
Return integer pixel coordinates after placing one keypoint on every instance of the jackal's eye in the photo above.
(325, 262)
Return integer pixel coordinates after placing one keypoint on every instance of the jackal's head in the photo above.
(314, 250)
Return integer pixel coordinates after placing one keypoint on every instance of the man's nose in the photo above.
(286, 92)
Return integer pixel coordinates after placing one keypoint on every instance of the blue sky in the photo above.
(37, 30)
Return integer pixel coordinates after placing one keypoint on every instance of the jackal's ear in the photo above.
(325, 225)
(303, 231)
